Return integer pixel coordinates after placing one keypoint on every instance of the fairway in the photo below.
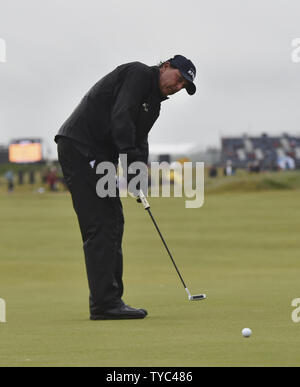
(241, 249)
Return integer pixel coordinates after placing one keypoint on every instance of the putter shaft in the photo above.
(156, 226)
(146, 205)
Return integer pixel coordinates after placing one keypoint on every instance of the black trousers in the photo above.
(101, 223)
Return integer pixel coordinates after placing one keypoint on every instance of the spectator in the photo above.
(213, 172)
(229, 169)
(286, 163)
(254, 167)
(21, 177)
(44, 175)
(52, 179)
(10, 181)
(31, 177)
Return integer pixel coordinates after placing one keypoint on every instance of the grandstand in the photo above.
(270, 153)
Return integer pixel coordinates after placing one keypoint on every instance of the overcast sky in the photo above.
(247, 81)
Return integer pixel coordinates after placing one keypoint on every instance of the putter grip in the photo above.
(144, 200)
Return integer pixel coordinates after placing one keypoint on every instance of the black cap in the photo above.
(187, 70)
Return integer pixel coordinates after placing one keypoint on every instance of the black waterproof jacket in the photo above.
(116, 115)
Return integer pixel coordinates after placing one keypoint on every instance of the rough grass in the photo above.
(245, 182)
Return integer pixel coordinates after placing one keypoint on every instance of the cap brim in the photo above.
(191, 88)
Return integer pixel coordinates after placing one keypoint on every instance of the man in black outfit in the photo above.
(113, 118)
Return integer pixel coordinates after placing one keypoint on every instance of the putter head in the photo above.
(197, 297)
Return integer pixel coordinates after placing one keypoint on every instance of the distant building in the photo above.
(268, 152)
(211, 156)
(173, 152)
(170, 152)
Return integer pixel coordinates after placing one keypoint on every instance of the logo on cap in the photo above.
(192, 74)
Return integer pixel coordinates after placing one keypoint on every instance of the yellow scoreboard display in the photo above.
(25, 151)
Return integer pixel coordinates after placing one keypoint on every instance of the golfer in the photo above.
(113, 118)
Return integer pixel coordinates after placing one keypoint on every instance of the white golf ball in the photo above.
(247, 332)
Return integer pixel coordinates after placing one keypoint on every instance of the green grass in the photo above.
(242, 249)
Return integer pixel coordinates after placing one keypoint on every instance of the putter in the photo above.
(144, 201)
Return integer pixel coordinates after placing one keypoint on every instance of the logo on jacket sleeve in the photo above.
(146, 107)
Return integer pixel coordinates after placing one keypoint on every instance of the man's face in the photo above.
(171, 81)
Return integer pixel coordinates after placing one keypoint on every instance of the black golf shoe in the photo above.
(122, 312)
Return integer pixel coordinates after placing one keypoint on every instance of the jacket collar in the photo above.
(156, 76)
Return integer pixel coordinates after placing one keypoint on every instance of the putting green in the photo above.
(241, 249)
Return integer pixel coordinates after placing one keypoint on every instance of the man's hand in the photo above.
(142, 199)
(136, 197)
(137, 178)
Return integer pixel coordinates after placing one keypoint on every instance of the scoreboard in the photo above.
(25, 151)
